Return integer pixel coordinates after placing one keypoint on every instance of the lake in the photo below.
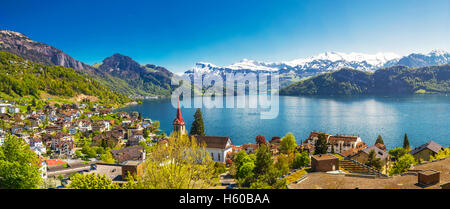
(422, 117)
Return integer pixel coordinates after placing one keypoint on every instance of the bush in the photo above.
(396, 153)
(402, 165)
(301, 160)
(219, 168)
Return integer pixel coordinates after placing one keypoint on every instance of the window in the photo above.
(218, 156)
(212, 155)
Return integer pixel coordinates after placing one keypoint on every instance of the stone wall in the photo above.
(428, 178)
(324, 165)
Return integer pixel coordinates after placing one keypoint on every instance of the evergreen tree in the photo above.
(321, 145)
(197, 126)
(406, 142)
(373, 161)
(264, 161)
(379, 140)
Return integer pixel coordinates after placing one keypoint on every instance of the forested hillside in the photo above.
(20, 77)
(392, 80)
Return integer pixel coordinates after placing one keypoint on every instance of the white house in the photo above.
(37, 146)
(216, 146)
(13, 110)
(338, 143)
(4, 107)
(43, 168)
(2, 138)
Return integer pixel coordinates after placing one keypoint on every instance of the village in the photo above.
(89, 138)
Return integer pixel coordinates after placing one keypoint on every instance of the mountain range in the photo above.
(126, 76)
(296, 70)
(118, 72)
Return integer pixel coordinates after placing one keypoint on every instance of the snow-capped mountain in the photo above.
(435, 57)
(291, 71)
(372, 59)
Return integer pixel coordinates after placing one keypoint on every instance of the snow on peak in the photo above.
(251, 64)
(205, 64)
(377, 59)
(437, 52)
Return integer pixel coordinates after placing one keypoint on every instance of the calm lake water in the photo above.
(422, 117)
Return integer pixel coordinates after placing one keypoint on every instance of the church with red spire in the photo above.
(178, 122)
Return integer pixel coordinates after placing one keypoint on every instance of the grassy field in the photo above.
(297, 175)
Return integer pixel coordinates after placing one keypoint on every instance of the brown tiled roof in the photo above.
(316, 134)
(433, 146)
(324, 157)
(379, 152)
(380, 146)
(254, 146)
(349, 152)
(343, 138)
(129, 153)
(61, 144)
(275, 141)
(219, 142)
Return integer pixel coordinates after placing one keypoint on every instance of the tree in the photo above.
(282, 164)
(264, 161)
(181, 163)
(402, 165)
(260, 139)
(406, 142)
(301, 160)
(146, 133)
(89, 151)
(379, 140)
(197, 126)
(107, 157)
(441, 154)
(92, 181)
(19, 166)
(219, 168)
(321, 145)
(99, 150)
(245, 170)
(244, 160)
(396, 153)
(288, 144)
(238, 158)
(373, 161)
(78, 153)
(154, 128)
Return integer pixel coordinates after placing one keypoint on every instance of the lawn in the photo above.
(297, 175)
(338, 156)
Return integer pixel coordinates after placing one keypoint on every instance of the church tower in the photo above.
(178, 122)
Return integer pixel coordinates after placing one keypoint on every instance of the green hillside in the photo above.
(20, 78)
(392, 80)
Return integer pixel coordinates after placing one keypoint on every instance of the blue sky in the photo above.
(177, 34)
